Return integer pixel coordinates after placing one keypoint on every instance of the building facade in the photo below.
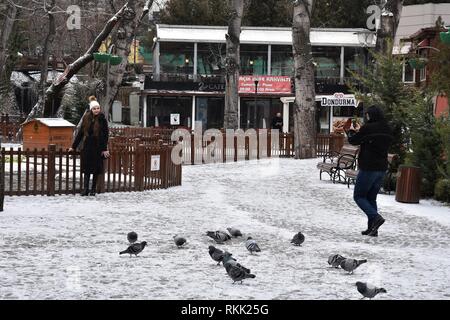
(188, 84)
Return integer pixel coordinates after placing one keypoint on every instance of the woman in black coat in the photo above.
(92, 139)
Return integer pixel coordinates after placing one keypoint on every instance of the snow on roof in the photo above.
(18, 78)
(262, 35)
(403, 48)
(55, 122)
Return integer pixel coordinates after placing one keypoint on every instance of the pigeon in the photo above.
(132, 237)
(237, 273)
(298, 239)
(135, 248)
(227, 259)
(368, 291)
(179, 241)
(251, 245)
(335, 260)
(351, 264)
(216, 254)
(234, 232)
(218, 236)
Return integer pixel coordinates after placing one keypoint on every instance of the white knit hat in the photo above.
(93, 102)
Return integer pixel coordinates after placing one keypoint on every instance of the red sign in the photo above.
(266, 84)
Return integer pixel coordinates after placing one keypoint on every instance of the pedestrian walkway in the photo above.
(68, 247)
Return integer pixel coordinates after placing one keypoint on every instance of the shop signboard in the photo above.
(266, 84)
(339, 100)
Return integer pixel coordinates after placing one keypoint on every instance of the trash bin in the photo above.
(408, 184)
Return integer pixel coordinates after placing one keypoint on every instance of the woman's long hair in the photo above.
(89, 118)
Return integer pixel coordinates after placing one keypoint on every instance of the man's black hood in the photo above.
(375, 114)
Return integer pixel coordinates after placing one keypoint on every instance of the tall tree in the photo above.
(47, 46)
(232, 62)
(5, 33)
(389, 22)
(304, 105)
(7, 99)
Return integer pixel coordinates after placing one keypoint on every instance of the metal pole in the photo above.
(256, 93)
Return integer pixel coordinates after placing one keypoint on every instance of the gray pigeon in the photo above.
(216, 254)
(234, 232)
(218, 236)
(298, 239)
(368, 291)
(237, 272)
(228, 259)
(335, 260)
(251, 245)
(179, 241)
(132, 237)
(135, 248)
(351, 264)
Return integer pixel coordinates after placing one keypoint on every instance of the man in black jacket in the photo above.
(277, 122)
(374, 138)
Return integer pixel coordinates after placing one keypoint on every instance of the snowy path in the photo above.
(66, 247)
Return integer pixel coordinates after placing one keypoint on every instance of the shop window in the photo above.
(260, 113)
(253, 59)
(210, 111)
(211, 58)
(354, 58)
(327, 61)
(160, 109)
(177, 58)
(282, 61)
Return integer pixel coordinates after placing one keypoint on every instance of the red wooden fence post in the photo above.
(2, 178)
(139, 168)
(51, 170)
(192, 149)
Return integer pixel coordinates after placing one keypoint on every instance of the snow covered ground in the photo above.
(66, 247)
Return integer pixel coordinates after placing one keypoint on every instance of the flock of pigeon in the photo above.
(237, 272)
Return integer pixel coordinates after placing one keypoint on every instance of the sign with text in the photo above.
(174, 119)
(339, 100)
(155, 162)
(266, 84)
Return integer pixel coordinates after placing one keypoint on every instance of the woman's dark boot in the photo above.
(369, 227)
(94, 185)
(85, 191)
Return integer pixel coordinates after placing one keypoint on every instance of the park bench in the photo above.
(335, 163)
(351, 174)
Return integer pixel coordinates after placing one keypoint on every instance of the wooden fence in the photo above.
(192, 150)
(51, 171)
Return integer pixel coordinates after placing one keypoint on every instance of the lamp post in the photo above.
(256, 93)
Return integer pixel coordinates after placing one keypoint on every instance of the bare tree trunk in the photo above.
(55, 90)
(126, 33)
(7, 97)
(232, 63)
(304, 105)
(389, 22)
(5, 32)
(46, 50)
